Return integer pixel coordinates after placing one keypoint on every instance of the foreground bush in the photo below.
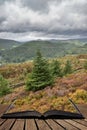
(4, 86)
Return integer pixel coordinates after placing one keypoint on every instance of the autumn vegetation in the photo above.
(61, 78)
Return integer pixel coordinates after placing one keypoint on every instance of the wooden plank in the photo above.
(83, 122)
(54, 125)
(85, 119)
(83, 109)
(30, 124)
(3, 109)
(7, 124)
(66, 125)
(41, 125)
(2, 121)
(18, 125)
(80, 126)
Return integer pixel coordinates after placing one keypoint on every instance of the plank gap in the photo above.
(80, 126)
(12, 124)
(60, 125)
(66, 125)
(2, 121)
(24, 124)
(82, 122)
(48, 125)
(36, 124)
(72, 125)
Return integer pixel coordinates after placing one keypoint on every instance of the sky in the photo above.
(25, 20)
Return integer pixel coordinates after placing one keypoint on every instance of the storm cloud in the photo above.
(28, 19)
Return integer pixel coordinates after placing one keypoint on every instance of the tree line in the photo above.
(44, 73)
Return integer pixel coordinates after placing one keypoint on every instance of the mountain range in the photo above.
(14, 51)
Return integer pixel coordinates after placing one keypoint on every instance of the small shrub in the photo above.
(4, 86)
(80, 96)
(68, 68)
(19, 102)
(56, 68)
(85, 65)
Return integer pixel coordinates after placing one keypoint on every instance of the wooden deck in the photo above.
(38, 124)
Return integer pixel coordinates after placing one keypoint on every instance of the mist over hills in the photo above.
(20, 52)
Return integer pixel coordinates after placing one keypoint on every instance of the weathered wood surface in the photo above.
(83, 109)
(38, 124)
(2, 109)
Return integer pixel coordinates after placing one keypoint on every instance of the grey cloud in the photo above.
(3, 1)
(38, 5)
(45, 17)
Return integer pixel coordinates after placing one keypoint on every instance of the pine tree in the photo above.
(40, 76)
(56, 68)
(68, 68)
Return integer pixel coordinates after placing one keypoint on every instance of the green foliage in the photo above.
(68, 68)
(56, 68)
(4, 86)
(40, 76)
(85, 65)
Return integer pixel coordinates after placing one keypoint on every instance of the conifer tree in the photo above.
(56, 68)
(40, 76)
(68, 68)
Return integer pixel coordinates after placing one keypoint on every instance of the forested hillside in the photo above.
(6, 44)
(49, 49)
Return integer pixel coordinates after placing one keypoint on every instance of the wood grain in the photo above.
(78, 125)
(42, 125)
(54, 125)
(30, 125)
(19, 125)
(7, 124)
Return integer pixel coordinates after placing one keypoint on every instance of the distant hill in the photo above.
(85, 45)
(8, 44)
(49, 49)
(80, 39)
